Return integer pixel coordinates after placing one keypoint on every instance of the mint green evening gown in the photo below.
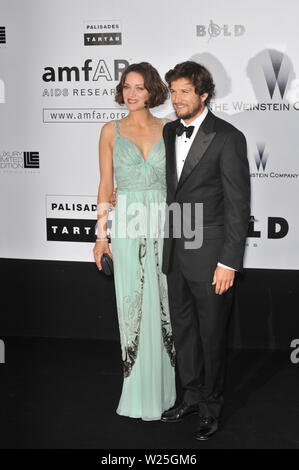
(148, 355)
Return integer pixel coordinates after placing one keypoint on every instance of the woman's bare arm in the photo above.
(106, 144)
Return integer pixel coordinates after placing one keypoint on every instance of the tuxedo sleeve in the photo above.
(236, 191)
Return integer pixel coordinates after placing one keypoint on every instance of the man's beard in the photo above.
(191, 114)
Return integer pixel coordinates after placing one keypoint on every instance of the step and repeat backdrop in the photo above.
(60, 62)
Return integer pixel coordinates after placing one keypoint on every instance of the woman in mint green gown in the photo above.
(138, 162)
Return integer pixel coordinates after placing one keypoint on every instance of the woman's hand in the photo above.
(98, 250)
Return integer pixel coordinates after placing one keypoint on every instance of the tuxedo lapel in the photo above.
(201, 142)
(173, 177)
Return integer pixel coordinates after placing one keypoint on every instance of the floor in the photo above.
(62, 394)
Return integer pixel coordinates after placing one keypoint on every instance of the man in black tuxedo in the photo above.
(206, 162)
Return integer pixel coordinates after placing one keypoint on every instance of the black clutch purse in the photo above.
(107, 264)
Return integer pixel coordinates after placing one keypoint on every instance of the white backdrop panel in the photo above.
(49, 169)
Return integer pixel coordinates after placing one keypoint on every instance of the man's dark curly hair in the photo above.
(199, 76)
(152, 82)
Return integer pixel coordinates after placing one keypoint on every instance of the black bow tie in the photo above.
(181, 129)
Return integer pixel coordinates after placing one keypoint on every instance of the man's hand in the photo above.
(223, 279)
(113, 198)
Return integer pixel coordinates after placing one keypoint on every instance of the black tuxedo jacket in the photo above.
(215, 173)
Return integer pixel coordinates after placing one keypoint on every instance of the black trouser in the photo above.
(199, 320)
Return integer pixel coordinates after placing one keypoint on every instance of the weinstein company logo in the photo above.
(270, 73)
(276, 70)
(214, 30)
(102, 33)
(15, 160)
(261, 160)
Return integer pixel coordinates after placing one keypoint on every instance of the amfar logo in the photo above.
(16, 160)
(97, 71)
(2, 35)
(2, 92)
(102, 33)
(276, 72)
(214, 30)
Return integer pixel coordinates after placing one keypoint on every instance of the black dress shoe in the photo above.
(174, 415)
(207, 427)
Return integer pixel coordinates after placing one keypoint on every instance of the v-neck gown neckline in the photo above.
(137, 148)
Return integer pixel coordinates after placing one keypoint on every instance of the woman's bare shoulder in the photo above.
(108, 126)
(108, 129)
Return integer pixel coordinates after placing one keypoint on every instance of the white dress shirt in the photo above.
(182, 147)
